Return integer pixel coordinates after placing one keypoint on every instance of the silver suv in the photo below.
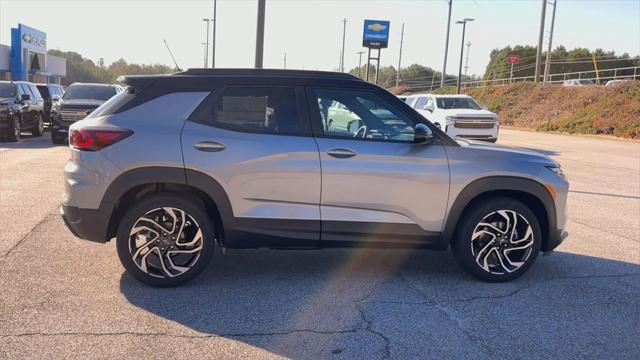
(178, 164)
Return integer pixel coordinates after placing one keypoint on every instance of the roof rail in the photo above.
(267, 72)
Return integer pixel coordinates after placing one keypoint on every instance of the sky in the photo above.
(310, 31)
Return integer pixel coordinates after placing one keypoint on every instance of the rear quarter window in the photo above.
(114, 104)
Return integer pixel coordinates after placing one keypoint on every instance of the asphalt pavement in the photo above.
(61, 297)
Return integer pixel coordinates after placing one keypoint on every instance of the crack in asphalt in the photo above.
(451, 316)
(47, 217)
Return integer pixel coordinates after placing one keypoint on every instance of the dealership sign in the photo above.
(513, 59)
(376, 34)
(28, 50)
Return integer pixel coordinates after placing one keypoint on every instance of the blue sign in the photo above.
(376, 34)
(28, 47)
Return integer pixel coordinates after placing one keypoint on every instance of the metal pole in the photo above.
(400, 56)
(433, 76)
(213, 40)
(511, 76)
(260, 34)
(540, 38)
(344, 31)
(466, 62)
(206, 51)
(360, 63)
(446, 45)
(378, 66)
(366, 73)
(285, 60)
(464, 26)
(547, 63)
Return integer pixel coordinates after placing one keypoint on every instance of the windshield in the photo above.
(457, 103)
(7, 90)
(94, 92)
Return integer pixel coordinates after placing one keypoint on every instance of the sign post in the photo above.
(512, 59)
(375, 36)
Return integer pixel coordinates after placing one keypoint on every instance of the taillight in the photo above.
(95, 139)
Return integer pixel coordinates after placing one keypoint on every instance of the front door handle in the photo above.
(341, 153)
(209, 146)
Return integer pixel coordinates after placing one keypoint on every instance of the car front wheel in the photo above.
(498, 239)
(38, 127)
(165, 240)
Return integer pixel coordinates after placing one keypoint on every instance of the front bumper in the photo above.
(555, 239)
(86, 224)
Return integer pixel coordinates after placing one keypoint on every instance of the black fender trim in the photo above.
(485, 186)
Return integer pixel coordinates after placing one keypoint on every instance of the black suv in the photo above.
(51, 93)
(78, 101)
(21, 108)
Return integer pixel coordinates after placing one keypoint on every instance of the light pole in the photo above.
(344, 31)
(206, 51)
(260, 34)
(547, 63)
(400, 57)
(213, 40)
(540, 38)
(446, 46)
(360, 62)
(464, 28)
(466, 61)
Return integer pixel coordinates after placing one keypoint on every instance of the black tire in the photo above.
(493, 252)
(14, 133)
(146, 206)
(55, 138)
(38, 127)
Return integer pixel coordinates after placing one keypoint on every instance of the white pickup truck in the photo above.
(459, 116)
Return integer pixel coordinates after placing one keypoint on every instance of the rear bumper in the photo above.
(86, 224)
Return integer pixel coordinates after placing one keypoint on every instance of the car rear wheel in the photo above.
(38, 127)
(498, 239)
(165, 240)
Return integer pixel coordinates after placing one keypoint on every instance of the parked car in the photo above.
(178, 163)
(79, 100)
(21, 109)
(459, 116)
(616, 81)
(51, 93)
(578, 82)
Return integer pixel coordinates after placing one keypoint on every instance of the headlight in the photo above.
(557, 169)
(55, 107)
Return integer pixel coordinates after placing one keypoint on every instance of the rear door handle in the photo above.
(209, 146)
(341, 153)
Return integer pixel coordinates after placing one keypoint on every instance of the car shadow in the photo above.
(292, 302)
(29, 141)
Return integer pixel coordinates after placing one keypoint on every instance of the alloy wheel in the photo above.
(17, 129)
(40, 125)
(165, 242)
(502, 242)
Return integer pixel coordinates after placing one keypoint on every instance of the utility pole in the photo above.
(206, 50)
(344, 31)
(400, 56)
(260, 34)
(446, 45)
(466, 62)
(285, 60)
(464, 28)
(547, 63)
(540, 38)
(213, 40)
(360, 63)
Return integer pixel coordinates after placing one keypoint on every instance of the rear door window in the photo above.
(269, 110)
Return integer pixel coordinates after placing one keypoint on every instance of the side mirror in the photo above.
(25, 97)
(55, 98)
(428, 108)
(422, 134)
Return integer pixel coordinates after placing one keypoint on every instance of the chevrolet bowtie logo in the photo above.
(376, 27)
